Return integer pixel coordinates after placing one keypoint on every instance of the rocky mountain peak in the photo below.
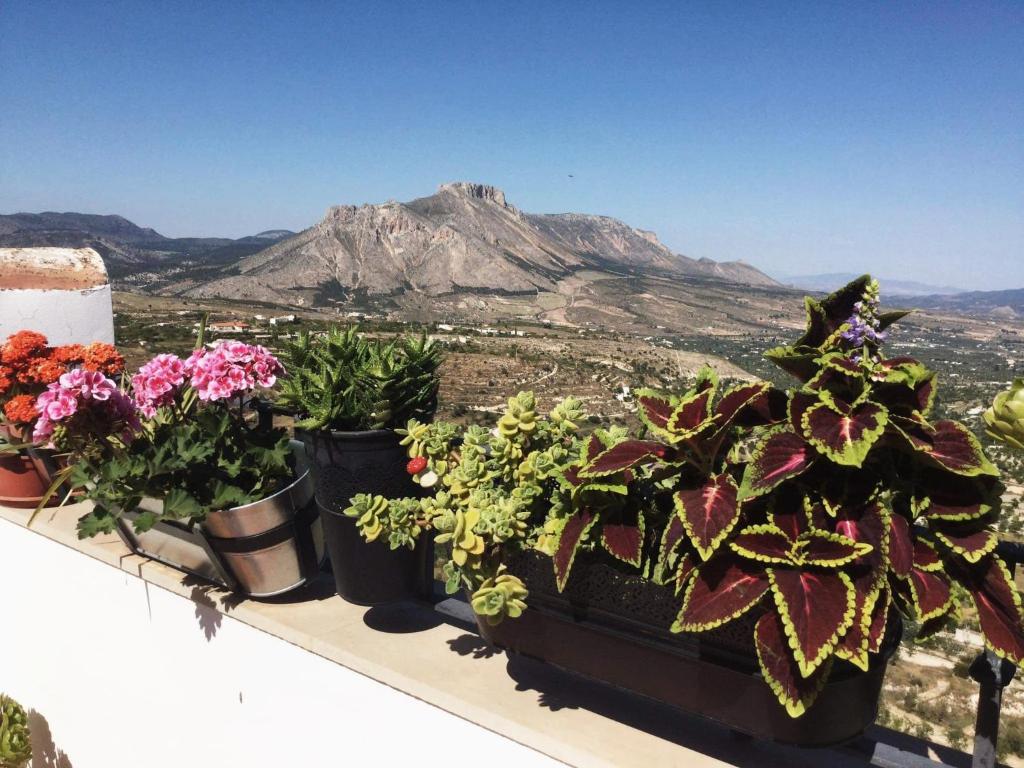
(478, 191)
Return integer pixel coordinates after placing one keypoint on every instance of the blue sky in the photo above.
(801, 137)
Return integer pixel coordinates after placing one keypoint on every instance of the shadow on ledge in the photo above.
(557, 689)
(471, 644)
(401, 618)
(45, 754)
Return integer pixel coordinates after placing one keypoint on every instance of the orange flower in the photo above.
(104, 358)
(6, 379)
(21, 409)
(21, 346)
(42, 370)
(69, 354)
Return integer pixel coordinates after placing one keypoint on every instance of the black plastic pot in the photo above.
(621, 638)
(347, 463)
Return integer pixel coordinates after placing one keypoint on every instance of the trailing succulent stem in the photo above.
(15, 741)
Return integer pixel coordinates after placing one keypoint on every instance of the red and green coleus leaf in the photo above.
(869, 524)
(901, 546)
(926, 557)
(879, 618)
(955, 498)
(967, 540)
(780, 456)
(948, 444)
(738, 401)
(691, 416)
(574, 532)
(927, 594)
(622, 456)
(855, 644)
(816, 608)
(655, 409)
(1000, 614)
(673, 535)
(709, 512)
(686, 567)
(828, 550)
(795, 691)
(624, 540)
(718, 592)
(843, 433)
(764, 543)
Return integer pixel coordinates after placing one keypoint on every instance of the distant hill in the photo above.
(127, 248)
(465, 238)
(1006, 304)
(828, 282)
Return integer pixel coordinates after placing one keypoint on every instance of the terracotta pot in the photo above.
(23, 479)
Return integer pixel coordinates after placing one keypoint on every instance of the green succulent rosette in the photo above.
(1004, 421)
(15, 745)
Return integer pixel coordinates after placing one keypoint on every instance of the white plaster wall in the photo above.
(125, 676)
(66, 317)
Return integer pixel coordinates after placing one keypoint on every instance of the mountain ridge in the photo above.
(466, 237)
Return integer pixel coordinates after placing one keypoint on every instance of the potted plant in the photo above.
(15, 739)
(27, 365)
(350, 394)
(748, 556)
(193, 483)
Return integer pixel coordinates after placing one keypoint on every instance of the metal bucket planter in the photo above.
(263, 549)
(347, 463)
(613, 628)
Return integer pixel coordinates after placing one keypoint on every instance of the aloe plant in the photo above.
(15, 744)
(345, 381)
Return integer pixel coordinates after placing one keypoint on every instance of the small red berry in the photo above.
(416, 465)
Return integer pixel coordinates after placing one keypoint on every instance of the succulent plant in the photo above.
(467, 544)
(1004, 420)
(345, 381)
(369, 512)
(500, 596)
(15, 744)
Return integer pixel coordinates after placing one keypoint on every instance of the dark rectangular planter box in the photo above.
(613, 628)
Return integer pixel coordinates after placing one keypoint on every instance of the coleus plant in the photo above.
(847, 502)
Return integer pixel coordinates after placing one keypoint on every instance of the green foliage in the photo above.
(500, 596)
(399, 520)
(1004, 421)
(210, 460)
(342, 380)
(15, 742)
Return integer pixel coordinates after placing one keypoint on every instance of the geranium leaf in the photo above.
(764, 543)
(624, 541)
(709, 512)
(846, 438)
(795, 691)
(718, 592)
(780, 456)
(575, 529)
(999, 607)
(624, 455)
(901, 547)
(816, 609)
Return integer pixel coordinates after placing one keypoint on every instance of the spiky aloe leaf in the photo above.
(816, 609)
(778, 457)
(999, 607)
(794, 690)
(718, 592)
(574, 531)
(709, 512)
(624, 455)
(845, 435)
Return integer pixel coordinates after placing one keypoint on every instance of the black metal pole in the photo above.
(992, 674)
